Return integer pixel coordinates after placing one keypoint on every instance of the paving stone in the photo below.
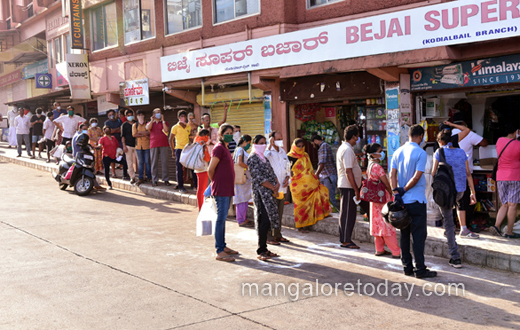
(475, 256)
(498, 260)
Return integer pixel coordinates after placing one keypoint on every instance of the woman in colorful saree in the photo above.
(310, 198)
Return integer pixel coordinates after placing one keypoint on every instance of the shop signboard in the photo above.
(136, 92)
(103, 105)
(30, 71)
(483, 72)
(392, 118)
(267, 115)
(443, 24)
(78, 75)
(43, 80)
(11, 78)
(330, 112)
(76, 25)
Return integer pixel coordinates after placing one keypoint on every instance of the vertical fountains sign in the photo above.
(76, 25)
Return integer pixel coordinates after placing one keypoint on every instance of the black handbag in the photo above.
(495, 167)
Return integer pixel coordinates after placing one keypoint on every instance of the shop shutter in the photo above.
(249, 116)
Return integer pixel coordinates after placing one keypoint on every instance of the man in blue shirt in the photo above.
(408, 183)
(58, 111)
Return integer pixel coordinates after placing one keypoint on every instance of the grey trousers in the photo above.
(449, 227)
(19, 139)
(155, 153)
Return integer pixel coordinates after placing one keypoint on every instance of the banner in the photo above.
(78, 76)
(489, 71)
(136, 92)
(11, 78)
(450, 23)
(43, 80)
(76, 25)
(30, 71)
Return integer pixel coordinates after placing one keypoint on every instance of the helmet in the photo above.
(82, 141)
(396, 216)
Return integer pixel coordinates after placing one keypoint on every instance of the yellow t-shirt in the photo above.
(182, 135)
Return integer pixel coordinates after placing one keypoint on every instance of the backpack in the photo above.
(444, 190)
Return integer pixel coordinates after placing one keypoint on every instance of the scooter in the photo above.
(82, 176)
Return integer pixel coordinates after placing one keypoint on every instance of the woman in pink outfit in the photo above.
(383, 233)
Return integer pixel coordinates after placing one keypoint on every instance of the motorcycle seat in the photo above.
(67, 159)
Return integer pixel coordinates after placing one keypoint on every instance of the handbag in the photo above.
(192, 157)
(207, 218)
(240, 172)
(373, 191)
(495, 167)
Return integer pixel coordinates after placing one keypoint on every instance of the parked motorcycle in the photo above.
(77, 172)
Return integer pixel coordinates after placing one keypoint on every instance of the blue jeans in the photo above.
(178, 169)
(144, 158)
(331, 182)
(223, 203)
(418, 230)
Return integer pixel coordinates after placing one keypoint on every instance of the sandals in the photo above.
(225, 258)
(266, 256)
(248, 224)
(495, 231)
(230, 251)
(350, 246)
(273, 242)
(515, 235)
(282, 240)
(303, 231)
(272, 254)
(383, 253)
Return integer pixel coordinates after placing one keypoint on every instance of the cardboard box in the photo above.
(488, 162)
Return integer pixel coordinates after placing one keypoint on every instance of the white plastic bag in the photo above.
(58, 151)
(192, 157)
(207, 218)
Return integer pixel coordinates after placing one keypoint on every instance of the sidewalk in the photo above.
(487, 251)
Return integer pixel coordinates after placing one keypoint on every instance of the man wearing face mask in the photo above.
(23, 126)
(159, 146)
(179, 138)
(37, 126)
(277, 156)
(326, 171)
(142, 137)
(68, 124)
(128, 142)
(237, 134)
(349, 181)
(58, 111)
(213, 128)
(83, 129)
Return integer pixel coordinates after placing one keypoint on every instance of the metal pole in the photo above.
(203, 92)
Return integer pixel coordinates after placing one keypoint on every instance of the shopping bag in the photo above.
(192, 157)
(207, 218)
(58, 151)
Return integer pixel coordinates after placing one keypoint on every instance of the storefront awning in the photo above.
(64, 95)
(28, 51)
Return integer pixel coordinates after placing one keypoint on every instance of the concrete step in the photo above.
(487, 251)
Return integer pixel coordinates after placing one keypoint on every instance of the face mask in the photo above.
(140, 119)
(130, 118)
(381, 154)
(158, 115)
(58, 107)
(246, 148)
(84, 131)
(26, 112)
(71, 113)
(236, 136)
(69, 150)
(260, 148)
(278, 143)
(182, 120)
(358, 139)
(38, 115)
(228, 138)
(94, 124)
(111, 117)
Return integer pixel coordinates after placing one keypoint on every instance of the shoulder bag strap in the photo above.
(442, 156)
(504, 150)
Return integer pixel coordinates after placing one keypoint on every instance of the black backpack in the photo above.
(444, 190)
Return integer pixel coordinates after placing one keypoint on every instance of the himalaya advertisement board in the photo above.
(489, 71)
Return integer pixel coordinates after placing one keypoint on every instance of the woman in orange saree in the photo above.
(311, 199)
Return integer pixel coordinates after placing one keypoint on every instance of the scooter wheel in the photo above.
(63, 186)
(83, 186)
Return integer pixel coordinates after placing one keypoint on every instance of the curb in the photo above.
(433, 247)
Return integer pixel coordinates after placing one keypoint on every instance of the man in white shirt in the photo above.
(68, 124)
(48, 130)
(23, 127)
(465, 210)
(349, 181)
(280, 163)
(11, 115)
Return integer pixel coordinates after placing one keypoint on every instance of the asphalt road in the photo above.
(119, 260)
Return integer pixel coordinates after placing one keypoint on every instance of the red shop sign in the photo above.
(330, 112)
(11, 77)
